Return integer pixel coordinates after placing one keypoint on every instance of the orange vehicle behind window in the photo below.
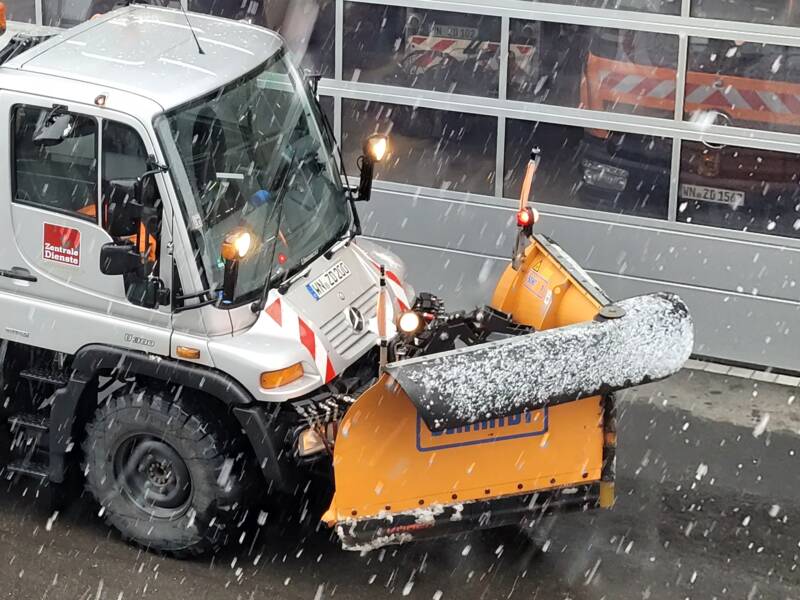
(738, 84)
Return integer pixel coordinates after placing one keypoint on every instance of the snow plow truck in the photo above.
(190, 318)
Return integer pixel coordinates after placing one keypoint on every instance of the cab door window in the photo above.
(55, 160)
(124, 159)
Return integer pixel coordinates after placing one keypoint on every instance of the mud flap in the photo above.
(651, 339)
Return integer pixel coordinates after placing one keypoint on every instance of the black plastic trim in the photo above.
(453, 519)
(89, 360)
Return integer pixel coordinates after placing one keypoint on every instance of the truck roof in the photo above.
(150, 51)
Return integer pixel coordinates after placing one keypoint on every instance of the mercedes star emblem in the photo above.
(354, 318)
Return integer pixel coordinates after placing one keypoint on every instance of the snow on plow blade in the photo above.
(651, 340)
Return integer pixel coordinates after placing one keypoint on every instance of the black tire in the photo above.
(143, 437)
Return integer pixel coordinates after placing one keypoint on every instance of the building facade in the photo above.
(669, 133)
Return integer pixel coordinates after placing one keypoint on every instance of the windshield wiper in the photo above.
(257, 307)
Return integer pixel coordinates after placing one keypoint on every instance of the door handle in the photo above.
(18, 273)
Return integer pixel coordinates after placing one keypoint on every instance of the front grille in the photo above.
(344, 341)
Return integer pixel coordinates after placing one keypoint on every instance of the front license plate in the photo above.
(328, 280)
(453, 31)
(704, 193)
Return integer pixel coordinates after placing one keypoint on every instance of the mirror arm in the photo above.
(163, 293)
(212, 299)
(367, 175)
(153, 166)
(229, 280)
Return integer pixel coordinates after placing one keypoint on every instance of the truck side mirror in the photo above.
(148, 292)
(119, 259)
(56, 126)
(374, 151)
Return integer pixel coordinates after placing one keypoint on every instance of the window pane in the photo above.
(593, 67)
(68, 13)
(424, 49)
(751, 85)
(307, 25)
(124, 153)
(55, 160)
(740, 188)
(125, 158)
(775, 12)
(610, 171)
(430, 148)
(664, 7)
(20, 10)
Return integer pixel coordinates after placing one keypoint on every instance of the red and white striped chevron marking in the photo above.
(723, 97)
(393, 282)
(396, 288)
(729, 98)
(454, 47)
(638, 85)
(293, 326)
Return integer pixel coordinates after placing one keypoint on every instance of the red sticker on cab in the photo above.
(62, 245)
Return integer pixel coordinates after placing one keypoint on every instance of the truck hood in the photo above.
(326, 321)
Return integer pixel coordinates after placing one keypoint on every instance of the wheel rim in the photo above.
(153, 475)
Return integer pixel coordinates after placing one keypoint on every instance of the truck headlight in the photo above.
(604, 176)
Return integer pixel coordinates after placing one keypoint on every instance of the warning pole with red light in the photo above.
(383, 341)
(527, 216)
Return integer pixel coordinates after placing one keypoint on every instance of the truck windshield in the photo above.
(253, 155)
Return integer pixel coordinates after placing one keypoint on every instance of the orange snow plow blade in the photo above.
(396, 480)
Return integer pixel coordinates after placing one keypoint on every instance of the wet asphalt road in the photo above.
(706, 510)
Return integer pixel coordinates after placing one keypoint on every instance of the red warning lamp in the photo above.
(527, 217)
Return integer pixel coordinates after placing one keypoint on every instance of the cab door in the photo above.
(56, 173)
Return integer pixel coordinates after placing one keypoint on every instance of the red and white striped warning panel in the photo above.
(637, 85)
(293, 326)
(729, 98)
(398, 292)
(432, 50)
(738, 97)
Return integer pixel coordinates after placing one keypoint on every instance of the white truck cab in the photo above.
(231, 140)
(138, 147)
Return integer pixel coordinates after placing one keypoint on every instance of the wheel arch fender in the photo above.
(93, 359)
